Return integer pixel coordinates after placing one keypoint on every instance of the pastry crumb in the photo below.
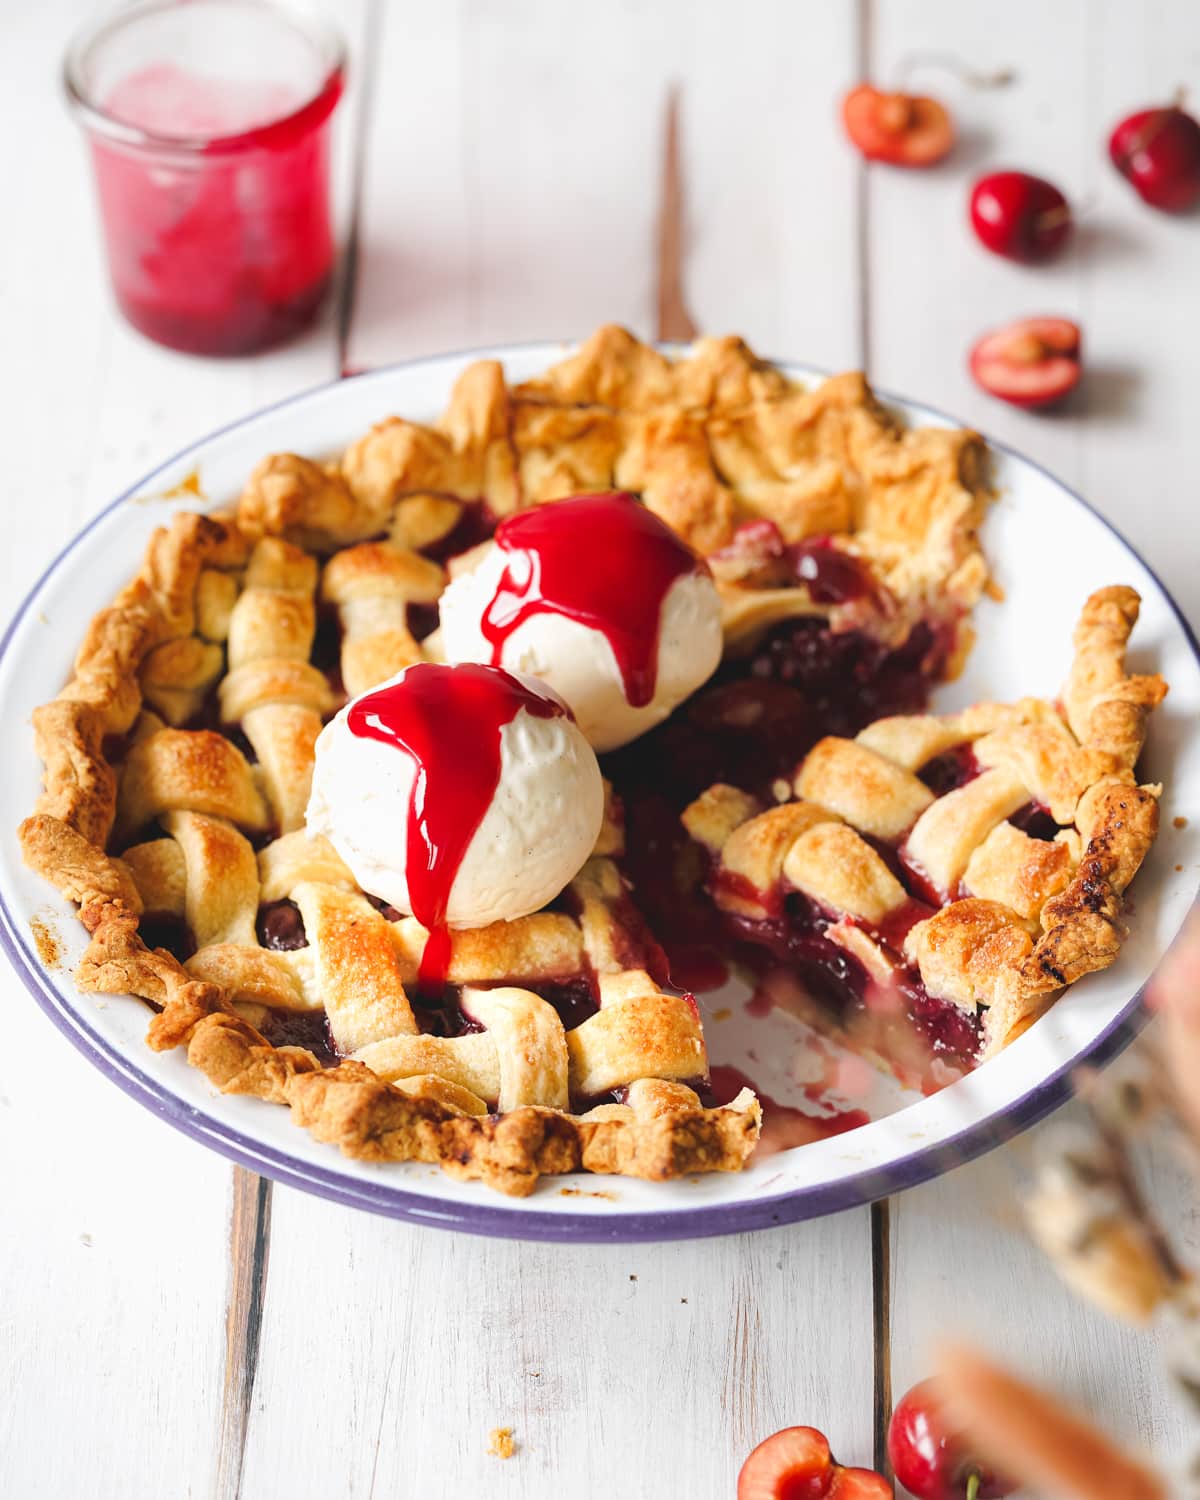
(500, 1442)
(586, 1193)
(1179, 823)
(46, 942)
(188, 485)
(723, 1014)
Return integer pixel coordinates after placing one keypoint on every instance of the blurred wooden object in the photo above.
(674, 321)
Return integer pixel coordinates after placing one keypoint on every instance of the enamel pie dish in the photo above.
(874, 1132)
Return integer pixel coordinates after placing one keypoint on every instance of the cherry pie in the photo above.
(932, 877)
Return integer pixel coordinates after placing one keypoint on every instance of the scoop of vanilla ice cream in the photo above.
(578, 661)
(539, 829)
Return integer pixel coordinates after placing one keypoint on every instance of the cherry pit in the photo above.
(1032, 362)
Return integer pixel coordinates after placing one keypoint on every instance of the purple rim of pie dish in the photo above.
(488, 1217)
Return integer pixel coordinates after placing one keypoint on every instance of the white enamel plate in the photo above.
(1024, 648)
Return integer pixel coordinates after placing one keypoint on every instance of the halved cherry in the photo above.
(1158, 150)
(796, 1464)
(1018, 215)
(1033, 362)
(908, 130)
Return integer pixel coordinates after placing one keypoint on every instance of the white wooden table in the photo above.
(497, 180)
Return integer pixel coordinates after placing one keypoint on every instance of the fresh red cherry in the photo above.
(908, 130)
(930, 1458)
(796, 1464)
(1159, 151)
(1033, 362)
(1020, 216)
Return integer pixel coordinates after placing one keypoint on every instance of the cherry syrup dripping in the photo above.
(456, 775)
(603, 560)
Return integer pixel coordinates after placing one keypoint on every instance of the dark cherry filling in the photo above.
(896, 926)
(384, 908)
(171, 933)
(423, 620)
(750, 725)
(326, 654)
(915, 878)
(831, 575)
(114, 748)
(238, 738)
(1036, 821)
(474, 525)
(573, 999)
(950, 770)
(889, 1018)
(847, 678)
(302, 1028)
(281, 927)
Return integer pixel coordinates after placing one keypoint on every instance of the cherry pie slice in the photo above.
(937, 881)
(178, 763)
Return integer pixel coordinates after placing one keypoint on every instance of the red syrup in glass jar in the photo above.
(218, 227)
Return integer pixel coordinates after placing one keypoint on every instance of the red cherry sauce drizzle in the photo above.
(456, 775)
(602, 560)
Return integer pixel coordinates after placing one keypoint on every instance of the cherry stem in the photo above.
(1053, 217)
(974, 1480)
(946, 62)
(1156, 121)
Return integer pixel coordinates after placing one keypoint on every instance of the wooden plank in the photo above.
(115, 1253)
(664, 1364)
(249, 1247)
(960, 1263)
(511, 185)
(111, 1251)
(963, 1267)
(510, 193)
(1142, 303)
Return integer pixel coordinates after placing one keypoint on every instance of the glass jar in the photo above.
(209, 125)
